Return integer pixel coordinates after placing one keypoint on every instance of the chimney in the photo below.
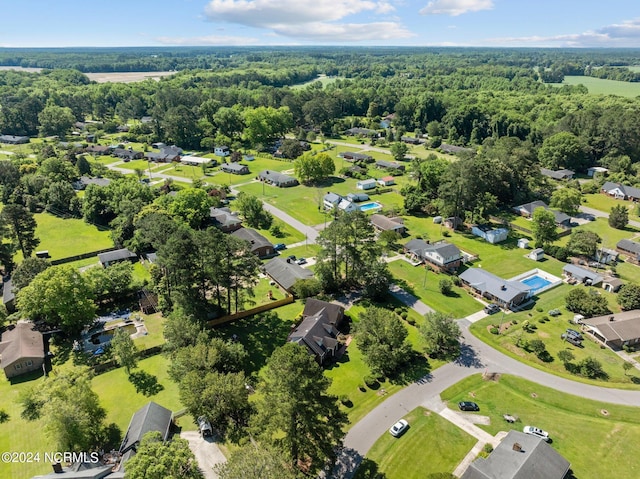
(503, 287)
(517, 447)
(57, 467)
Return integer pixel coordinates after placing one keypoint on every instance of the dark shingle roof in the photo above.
(117, 255)
(286, 273)
(151, 417)
(277, 178)
(628, 191)
(385, 224)
(500, 288)
(253, 237)
(628, 245)
(234, 168)
(582, 273)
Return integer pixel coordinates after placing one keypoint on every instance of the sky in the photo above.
(492, 23)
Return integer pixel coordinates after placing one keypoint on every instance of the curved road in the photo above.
(476, 357)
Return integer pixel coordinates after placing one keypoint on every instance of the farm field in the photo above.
(599, 86)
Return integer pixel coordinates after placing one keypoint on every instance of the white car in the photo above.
(398, 428)
(535, 431)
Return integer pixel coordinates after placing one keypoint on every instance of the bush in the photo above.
(494, 330)
(457, 281)
(488, 448)
(404, 315)
(344, 399)
(4, 416)
(411, 321)
(362, 388)
(371, 381)
(445, 286)
(539, 309)
(446, 233)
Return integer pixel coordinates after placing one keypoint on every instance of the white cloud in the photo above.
(456, 7)
(316, 20)
(208, 40)
(625, 34)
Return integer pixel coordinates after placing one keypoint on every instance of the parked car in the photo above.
(279, 246)
(571, 340)
(399, 428)
(554, 312)
(301, 261)
(574, 334)
(491, 308)
(291, 257)
(468, 406)
(204, 426)
(536, 431)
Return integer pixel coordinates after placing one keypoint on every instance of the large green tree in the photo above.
(441, 334)
(567, 200)
(265, 124)
(583, 243)
(156, 459)
(124, 349)
(563, 150)
(22, 227)
(251, 209)
(55, 120)
(192, 205)
(586, 302)
(255, 461)
(27, 270)
(312, 168)
(619, 217)
(629, 296)
(294, 411)
(543, 224)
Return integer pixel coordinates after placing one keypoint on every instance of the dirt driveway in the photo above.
(206, 451)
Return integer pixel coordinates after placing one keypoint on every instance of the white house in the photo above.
(366, 184)
(597, 170)
(331, 200)
(221, 151)
(347, 206)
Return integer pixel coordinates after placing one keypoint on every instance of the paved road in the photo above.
(602, 214)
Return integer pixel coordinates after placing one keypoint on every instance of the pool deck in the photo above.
(551, 279)
(141, 330)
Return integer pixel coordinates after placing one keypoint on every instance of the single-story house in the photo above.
(222, 150)
(357, 197)
(98, 149)
(110, 257)
(331, 200)
(612, 285)
(167, 154)
(630, 248)
(82, 470)
(523, 243)
(122, 128)
(351, 156)
(411, 140)
(615, 330)
(386, 181)
(390, 165)
(235, 168)
(260, 246)
(361, 131)
(383, 223)
(355, 169)
(581, 275)
(319, 329)
(557, 174)
(85, 181)
(519, 456)
(597, 170)
(286, 272)
(367, 184)
(536, 254)
(224, 219)
(21, 350)
(149, 418)
(277, 179)
(248, 157)
(442, 255)
(453, 149)
(14, 140)
(9, 296)
(606, 256)
(527, 210)
(347, 206)
(192, 160)
(146, 119)
(620, 191)
(127, 154)
(490, 234)
(506, 293)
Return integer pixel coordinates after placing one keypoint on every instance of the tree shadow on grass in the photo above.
(369, 470)
(145, 383)
(416, 369)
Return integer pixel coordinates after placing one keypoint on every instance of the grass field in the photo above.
(323, 79)
(431, 445)
(598, 86)
(591, 435)
(605, 203)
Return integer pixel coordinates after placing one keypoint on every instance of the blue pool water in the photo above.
(370, 206)
(536, 283)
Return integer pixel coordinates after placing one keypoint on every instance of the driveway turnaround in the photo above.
(207, 452)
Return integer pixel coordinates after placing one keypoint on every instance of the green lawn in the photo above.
(430, 445)
(304, 251)
(610, 236)
(592, 441)
(549, 332)
(425, 285)
(323, 79)
(604, 203)
(155, 327)
(599, 86)
(289, 233)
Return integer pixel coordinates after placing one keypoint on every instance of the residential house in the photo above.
(21, 350)
(383, 223)
(235, 168)
(248, 157)
(347, 206)
(453, 222)
(98, 149)
(361, 132)
(575, 273)
(508, 294)
(260, 246)
(277, 179)
(224, 219)
(319, 329)
(149, 418)
(606, 256)
(453, 149)
(368, 184)
(490, 234)
(442, 255)
(192, 160)
(222, 150)
(357, 197)
(620, 191)
(9, 296)
(122, 128)
(390, 165)
(411, 140)
(116, 256)
(386, 181)
(14, 140)
(82, 470)
(615, 330)
(630, 248)
(527, 210)
(127, 154)
(356, 157)
(167, 154)
(331, 200)
(612, 285)
(519, 456)
(597, 170)
(557, 174)
(286, 272)
(536, 254)
(146, 119)
(85, 181)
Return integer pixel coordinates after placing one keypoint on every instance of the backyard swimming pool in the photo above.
(370, 206)
(536, 283)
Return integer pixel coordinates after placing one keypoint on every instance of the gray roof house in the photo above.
(355, 157)
(127, 154)
(390, 165)
(615, 330)
(286, 272)
(235, 168)
(629, 247)
(527, 210)
(507, 293)
(151, 417)
(13, 139)
(582, 275)
(361, 131)
(224, 219)
(116, 256)
(85, 181)
(620, 191)
(260, 246)
(331, 200)
(442, 255)
(9, 296)
(557, 174)
(519, 456)
(318, 330)
(21, 350)
(383, 223)
(277, 179)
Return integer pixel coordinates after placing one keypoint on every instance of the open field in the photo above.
(604, 203)
(589, 434)
(323, 79)
(599, 86)
(431, 445)
(126, 77)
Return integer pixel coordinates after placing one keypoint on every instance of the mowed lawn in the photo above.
(69, 237)
(600, 86)
(593, 436)
(430, 445)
